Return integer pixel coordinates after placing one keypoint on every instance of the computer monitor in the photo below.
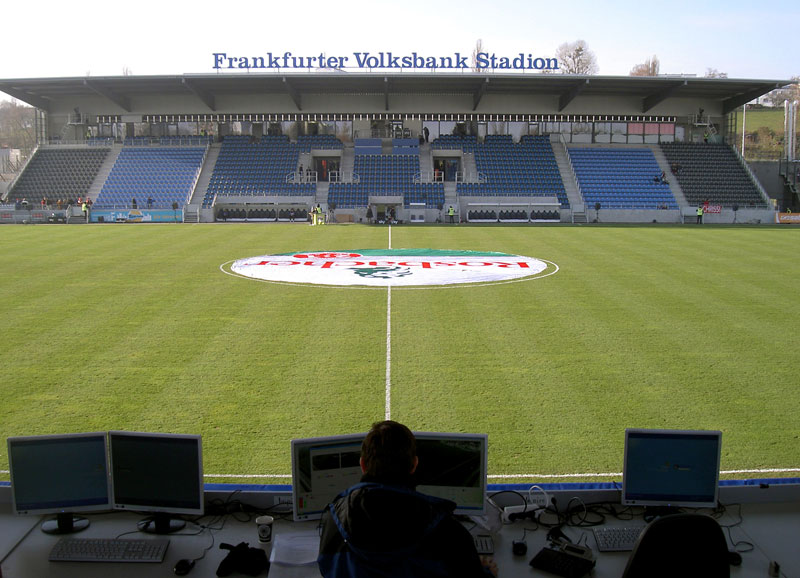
(454, 466)
(671, 468)
(159, 473)
(322, 468)
(62, 474)
(451, 466)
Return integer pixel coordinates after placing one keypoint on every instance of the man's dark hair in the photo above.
(389, 450)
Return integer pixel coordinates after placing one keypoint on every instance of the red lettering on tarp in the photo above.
(278, 263)
(329, 255)
(423, 264)
(520, 264)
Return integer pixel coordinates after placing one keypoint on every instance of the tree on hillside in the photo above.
(779, 96)
(714, 73)
(576, 58)
(16, 126)
(649, 67)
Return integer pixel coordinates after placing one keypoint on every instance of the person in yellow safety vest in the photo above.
(318, 211)
(313, 215)
(85, 212)
(451, 212)
(700, 215)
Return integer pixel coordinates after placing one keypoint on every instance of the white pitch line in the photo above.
(550, 476)
(245, 476)
(388, 403)
(524, 476)
(388, 385)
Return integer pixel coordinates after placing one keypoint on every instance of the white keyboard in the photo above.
(616, 538)
(109, 550)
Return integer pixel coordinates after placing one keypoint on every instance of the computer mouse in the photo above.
(519, 547)
(183, 567)
(734, 558)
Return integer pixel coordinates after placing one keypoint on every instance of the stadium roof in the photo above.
(120, 90)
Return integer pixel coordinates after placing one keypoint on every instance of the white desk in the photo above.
(773, 528)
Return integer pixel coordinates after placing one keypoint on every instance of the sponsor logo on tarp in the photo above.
(391, 267)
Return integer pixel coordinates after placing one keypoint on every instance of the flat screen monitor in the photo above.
(451, 466)
(60, 474)
(159, 473)
(671, 468)
(321, 469)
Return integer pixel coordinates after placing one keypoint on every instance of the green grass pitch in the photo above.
(136, 327)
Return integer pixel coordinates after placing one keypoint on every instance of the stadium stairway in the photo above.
(674, 185)
(322, 193)
(105, 171)
(450, 194)
(348, 159)
(468, 165)
(567, 176)
(425, 159)
(205, 177)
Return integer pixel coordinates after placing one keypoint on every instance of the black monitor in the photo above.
(158, 473)
(451, 466)
(671, 468)
(61, 474)
(454, 466)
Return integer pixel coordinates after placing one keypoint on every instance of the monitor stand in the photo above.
(65, 523)
(653, 512)
(160, 524)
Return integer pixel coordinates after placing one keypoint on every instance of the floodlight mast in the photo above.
(744, 125)
(790, 128)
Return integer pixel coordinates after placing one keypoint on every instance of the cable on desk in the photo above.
(523, 502)
(580, 518)
(746, 546)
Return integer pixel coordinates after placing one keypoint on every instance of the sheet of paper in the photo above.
(295, 549)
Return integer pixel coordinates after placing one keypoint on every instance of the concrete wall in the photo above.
(767, 174)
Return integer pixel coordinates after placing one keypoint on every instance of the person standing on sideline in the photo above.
(451, 213)
(700, 215)
(383, 527)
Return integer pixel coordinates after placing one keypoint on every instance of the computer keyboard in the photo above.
(109, 550)
(616, 538)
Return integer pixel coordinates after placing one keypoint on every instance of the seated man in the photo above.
(382, 527)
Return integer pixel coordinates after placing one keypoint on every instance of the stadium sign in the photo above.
(383, 61)
(391, 267)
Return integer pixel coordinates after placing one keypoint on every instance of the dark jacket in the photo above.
(380, 530)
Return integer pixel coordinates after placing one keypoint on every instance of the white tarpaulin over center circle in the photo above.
(391, 267)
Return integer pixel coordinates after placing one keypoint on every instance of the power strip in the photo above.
(533, 502)
(528, 509)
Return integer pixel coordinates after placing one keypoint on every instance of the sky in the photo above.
(80, 38)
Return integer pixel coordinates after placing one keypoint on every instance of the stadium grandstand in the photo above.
(509, 148)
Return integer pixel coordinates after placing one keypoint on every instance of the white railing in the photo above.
(305, 177)
(755, 181)
(470, 177)
(344, 177)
